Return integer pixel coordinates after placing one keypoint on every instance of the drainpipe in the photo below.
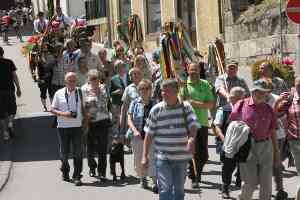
(108, 15)
(281, 32)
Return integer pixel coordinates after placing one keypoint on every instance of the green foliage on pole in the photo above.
(281, 69)
(50, 5)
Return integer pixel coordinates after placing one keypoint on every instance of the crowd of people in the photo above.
(15, 18)
(165, 123)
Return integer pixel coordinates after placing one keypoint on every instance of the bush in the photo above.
(284, 71)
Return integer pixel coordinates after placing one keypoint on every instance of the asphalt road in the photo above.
(35, 174)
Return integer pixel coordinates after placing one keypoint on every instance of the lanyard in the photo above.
(67, 98)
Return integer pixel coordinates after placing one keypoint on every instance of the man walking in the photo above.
(226, 81)
(9, 81)
(289, 104)
(199, 94)
(173, 126)
(259, 116)
(67, 106)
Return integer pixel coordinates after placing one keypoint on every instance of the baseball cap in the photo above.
(262, 85)
(232, 63)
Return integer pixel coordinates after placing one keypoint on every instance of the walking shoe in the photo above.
(195, 185)
(281, 195)
(11, 132)
(238, 183)
(155, 189)
(144, 184)
(6, 136)
(102, 179)
(77, 182)
(92, 173)
(65, 177)
(225, 194)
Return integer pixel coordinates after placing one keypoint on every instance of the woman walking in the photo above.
(96, 105)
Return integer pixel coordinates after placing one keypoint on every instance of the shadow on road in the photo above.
(35, 141)
(130, 180)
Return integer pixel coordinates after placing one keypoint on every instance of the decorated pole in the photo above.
(50, 5)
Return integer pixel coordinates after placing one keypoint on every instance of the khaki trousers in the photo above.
(257, 170)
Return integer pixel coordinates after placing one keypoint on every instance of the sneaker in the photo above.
(77, 182)
(144, 184)
(281, 195)
(195, 185)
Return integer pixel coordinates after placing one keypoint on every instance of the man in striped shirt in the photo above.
(173, 126)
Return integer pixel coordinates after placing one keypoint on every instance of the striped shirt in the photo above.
(169, 129)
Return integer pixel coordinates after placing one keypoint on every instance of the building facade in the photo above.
(74, 8)
(201, 18)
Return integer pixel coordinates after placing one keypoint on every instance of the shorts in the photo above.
(8, 104)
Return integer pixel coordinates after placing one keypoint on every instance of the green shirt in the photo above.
(200, 91)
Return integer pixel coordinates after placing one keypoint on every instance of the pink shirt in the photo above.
(260, 118)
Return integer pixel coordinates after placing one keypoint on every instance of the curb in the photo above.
(6, 166)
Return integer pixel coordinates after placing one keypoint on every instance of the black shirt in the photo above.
(7, 67)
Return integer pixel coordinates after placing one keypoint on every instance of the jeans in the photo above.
(171, 178)
(66, 138)
(97, 143)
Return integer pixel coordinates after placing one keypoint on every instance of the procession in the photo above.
(160, 105)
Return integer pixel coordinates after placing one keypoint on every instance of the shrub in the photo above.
(283, 70)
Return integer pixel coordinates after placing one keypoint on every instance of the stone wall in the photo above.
(254, 33)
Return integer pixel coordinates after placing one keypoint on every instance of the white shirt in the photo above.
(39, 25)
(60, 103)
(280, 121)
(65, 21)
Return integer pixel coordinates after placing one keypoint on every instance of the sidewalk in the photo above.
(5, 162)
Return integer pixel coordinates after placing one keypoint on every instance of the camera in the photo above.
(73, 114)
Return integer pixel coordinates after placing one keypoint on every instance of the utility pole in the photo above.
(281, 32)
(108, 15)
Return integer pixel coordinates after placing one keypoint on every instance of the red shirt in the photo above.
(7, 20)
(260, 118)
(293, 116)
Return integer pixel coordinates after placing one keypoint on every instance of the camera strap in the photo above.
(67, 98)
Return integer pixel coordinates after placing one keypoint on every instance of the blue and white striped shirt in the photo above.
(167, 125)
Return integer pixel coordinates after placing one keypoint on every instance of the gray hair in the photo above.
(237, 92)
(93, 73)
(173, 83)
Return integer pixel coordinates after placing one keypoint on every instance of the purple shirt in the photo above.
(260, 118)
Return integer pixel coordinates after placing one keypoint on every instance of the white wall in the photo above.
(39, 5)
(73, 8)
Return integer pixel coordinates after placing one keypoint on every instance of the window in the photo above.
(153, 16)
(95, 9)
(125, 10)
(186, 12)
